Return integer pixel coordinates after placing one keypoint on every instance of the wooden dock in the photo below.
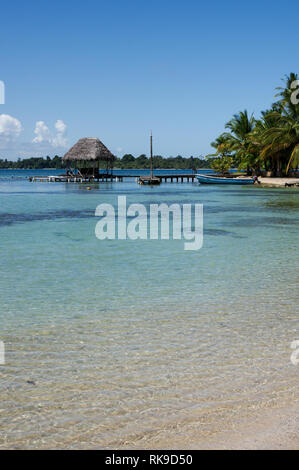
(102, 177)
(178, 178)
(75, 178)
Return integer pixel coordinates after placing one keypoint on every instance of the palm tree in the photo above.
(224, 161)
(281, 143)
(279, 133)
(222, 146)
(269, 119)
(272, 141)
(237, 141)
(286, 103)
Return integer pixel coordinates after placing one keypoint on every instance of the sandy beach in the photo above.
(273, 428)
(278, 182)
(269, 429)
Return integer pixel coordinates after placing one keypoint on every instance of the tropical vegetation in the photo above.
(128, 161)
(269, 144)
(32, 163)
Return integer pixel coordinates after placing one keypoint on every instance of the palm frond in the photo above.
(294, 158)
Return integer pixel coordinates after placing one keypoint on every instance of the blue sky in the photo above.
(118, 69)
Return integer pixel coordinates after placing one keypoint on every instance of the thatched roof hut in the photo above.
(88, 149)
(87, 154)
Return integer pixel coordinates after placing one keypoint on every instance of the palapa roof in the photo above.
(89, 148)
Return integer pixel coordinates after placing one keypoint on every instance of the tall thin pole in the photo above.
(151, 155)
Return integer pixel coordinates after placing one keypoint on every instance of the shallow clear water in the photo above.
(138, 343)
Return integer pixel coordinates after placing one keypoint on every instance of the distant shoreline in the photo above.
(135, 169)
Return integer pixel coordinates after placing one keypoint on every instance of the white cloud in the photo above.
(42, 132)
(44, 136)
(60, 126)
(44, 142)
(60, 140)
(10, 128)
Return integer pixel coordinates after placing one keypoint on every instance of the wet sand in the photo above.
(275, 429)
(264, 429)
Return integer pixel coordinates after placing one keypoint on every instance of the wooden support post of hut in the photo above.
(86, 158)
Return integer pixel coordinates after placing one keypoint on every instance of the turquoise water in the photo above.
(140, 343)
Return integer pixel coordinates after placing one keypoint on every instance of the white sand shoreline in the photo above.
(268, 429)
(278, 182)
(274, 427)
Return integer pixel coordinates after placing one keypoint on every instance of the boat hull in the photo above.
(205, 179)
(150, 180)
